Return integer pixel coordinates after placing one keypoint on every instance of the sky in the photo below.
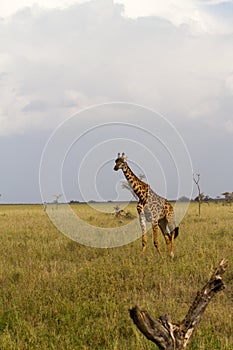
(83, 80)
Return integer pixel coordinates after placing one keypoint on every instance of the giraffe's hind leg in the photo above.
(172, 228)
(173, 235)
(155, 227)
(163, 228)
(142, 220)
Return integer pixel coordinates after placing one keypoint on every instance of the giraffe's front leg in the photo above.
(172, 243)
(155, 227)
(142, 221)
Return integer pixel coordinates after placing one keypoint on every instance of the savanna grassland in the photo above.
(58, 294)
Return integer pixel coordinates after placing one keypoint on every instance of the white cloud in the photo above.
(229, 83)
(8, 8)
(215, 2)
(178, 12)
(207, 109)
(20, 113)
(229, 126)
(56, 62)
(56, 59)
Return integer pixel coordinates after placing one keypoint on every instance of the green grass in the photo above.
(58, 294)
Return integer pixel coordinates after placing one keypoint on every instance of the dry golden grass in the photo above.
(58, 294)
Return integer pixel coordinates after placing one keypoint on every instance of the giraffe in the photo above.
(151, 207)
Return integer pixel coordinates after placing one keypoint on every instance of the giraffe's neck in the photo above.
(139, 187)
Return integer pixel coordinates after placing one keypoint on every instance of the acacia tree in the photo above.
(57, 196)
(118, 210)
(56, 200)
(228, 197)
(196, 179)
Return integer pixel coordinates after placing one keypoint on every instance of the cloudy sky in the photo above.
(63, 58)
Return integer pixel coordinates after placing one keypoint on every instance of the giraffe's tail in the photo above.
(176, 232)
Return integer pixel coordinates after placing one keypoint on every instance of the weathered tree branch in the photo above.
(196, 179)
(170, 336)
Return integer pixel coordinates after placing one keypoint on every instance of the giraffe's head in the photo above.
(120, 161)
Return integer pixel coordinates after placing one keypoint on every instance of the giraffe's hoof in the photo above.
(172, 255)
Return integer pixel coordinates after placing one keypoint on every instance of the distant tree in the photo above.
(57, 196)
(203, 198)
(228, 197)
(117, 210)
(74, 201)
(207, 199)
(122, 213)
(56, 200)
(183, 199)
(217, 199)
(196, 179)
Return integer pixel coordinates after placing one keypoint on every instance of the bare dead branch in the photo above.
(170, 336)
(196, 179)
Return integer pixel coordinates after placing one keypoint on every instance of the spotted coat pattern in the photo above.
(151, 207)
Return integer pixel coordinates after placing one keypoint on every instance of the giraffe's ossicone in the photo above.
(151, 207)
